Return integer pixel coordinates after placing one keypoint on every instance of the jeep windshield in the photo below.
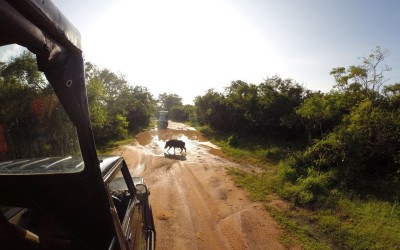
(41, 113)
(36, 135)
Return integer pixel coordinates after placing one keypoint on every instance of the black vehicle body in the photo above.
(79, 203)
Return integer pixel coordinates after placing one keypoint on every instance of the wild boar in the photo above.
(175, 144)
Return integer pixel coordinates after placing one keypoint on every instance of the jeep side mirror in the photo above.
(142, 192)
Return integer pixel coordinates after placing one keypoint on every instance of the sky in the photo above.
(186, 47)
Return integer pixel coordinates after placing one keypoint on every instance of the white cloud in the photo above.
(9, 51)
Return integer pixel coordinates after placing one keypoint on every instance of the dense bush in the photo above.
(305, 185)
(361, 154)
(116, 107)
(264, 110)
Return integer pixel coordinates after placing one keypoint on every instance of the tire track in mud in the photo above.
(202, 209)
(188, 207)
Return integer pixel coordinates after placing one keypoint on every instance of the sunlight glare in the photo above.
(162, 44)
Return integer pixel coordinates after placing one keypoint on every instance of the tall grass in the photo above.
(249, 150)
(362, 224)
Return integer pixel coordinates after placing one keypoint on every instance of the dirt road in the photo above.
(195, 204)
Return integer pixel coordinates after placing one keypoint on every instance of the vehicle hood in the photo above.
(47, 165)
(51, 165)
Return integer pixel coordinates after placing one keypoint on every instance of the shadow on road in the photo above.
(175, 157)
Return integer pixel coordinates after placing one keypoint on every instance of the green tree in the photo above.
(116, 106)
(265, 109)
(365, 79)
(167, 101)
(173, 104)
(97, 103)
(392, 94)
(211, 109)
(241, 103)
(23, 69)
(34, 120)
(140, 108)
(321, 113)
(277, 100)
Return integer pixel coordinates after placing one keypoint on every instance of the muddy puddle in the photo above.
(153, 142)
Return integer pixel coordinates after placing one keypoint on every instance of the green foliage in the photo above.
(206, 130)
(191, 112)
(259, 186)
(354, 135)
(177, 111)
(303, 184)
(337, 219)
(121, 125)
(97, 105)
(357, 224)
(341, 221)
(116, 108)
(296, 228)
(240, 154)
(320, 113)
(167, 101)
(364, 146)
(314, 189)
(32, 120)
(140, 107)
(361, 154)
(23, 69)
(275, 153)
(265, 109)
(233, 141)
(240, 101)
(392, 96)
(365, 79)
(112, 145)
(211, 109)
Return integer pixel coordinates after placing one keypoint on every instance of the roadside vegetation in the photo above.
(118, 108)
(334, 157)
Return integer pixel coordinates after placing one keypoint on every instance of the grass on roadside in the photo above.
(112, 145)
(249, 150)
(261, 188)
(298, 229)
(362, 224)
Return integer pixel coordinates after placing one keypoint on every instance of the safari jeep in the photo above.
(55, 191)
(162, 120)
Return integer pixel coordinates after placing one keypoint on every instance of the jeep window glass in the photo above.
(118, 182)
(36, 135)
(120, 194)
